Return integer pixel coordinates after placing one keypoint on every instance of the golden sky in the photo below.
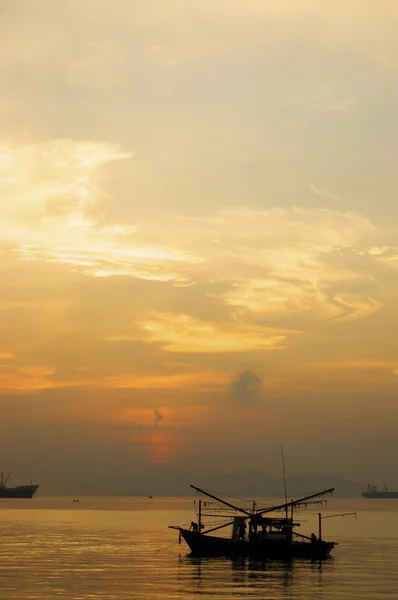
(199, 239)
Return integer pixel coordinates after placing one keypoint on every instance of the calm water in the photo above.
(117, 548)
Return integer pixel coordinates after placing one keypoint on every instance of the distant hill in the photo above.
(250, 483)
(165, 481)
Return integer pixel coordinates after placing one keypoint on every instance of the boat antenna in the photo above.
(284, 478)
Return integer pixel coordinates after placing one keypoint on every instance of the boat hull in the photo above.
(21, 491)
(212, 546)
(380, 494)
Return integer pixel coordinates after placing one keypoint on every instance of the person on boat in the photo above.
(253, 533)
(313, 538)
(263, 533)
(193, 526)
(242, 530)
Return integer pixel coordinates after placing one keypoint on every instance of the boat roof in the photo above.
(273, 521)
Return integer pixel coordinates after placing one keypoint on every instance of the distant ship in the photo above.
(373, 491)
(21, 491)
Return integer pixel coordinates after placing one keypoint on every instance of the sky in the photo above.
(198, 238)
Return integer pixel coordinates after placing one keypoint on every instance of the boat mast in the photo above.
(200, 517)
(284, 479)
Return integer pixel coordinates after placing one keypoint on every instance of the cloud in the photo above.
(158, 416)
(294, 261)
(387, 255)
(275, 298)
(54, 215)
(30, 378)
(269, 264)
(354, 306)
(145, 276)
(361, 363)
(184, 333)
(246, 387)
(327, 195)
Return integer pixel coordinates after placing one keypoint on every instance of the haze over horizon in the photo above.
(199, 239)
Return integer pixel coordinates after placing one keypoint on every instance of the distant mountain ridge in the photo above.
(162, 480)
(249, 483)
(266, 485)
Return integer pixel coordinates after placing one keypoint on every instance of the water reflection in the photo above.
(111, 555)
(234, 576)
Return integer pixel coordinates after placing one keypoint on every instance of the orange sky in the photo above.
(198, 239)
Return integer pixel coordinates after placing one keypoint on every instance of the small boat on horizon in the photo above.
(254, 532)
(373, 491)
(20, 491)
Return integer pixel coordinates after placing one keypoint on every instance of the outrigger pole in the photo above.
(261, 512)
(246, 512)
(294, 502)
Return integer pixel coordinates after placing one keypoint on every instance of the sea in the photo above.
(122, 549)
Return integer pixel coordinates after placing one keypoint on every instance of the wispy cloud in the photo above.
(284, 262)
(275, 262)
(55, 214)
(184, 333)
(316, 190)
(355, 306)
(387, 255)
(25, 379)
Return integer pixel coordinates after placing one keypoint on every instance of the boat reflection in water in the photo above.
(255, 534)
(243, 574)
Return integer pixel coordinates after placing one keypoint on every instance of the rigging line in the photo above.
(206, 493)
(272, 456)
(255, 481)
(167, 547)
(234, 497)
(218, 504)
(268, 498)
(272, 498)
(266, 501)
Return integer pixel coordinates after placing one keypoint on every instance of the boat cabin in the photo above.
(263, 528)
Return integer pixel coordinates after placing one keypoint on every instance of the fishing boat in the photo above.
(255, 533)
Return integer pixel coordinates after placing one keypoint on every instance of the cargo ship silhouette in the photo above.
(373, 491)
(20, 491)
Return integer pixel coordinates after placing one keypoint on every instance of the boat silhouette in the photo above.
(255, 533)
(373, 491)
(20, 491)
